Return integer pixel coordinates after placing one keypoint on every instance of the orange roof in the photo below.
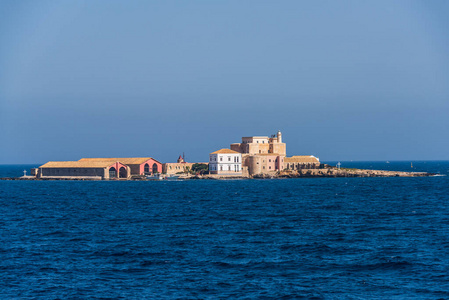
(225, 151)
(78, 164)
(302, 158)
(124, 160)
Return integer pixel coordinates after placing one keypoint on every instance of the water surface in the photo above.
(321, 238)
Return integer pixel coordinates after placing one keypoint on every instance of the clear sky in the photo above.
(342, 80)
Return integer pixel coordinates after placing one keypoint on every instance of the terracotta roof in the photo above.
(78, 164)
(225, 151)
(302, 158)
(124, 160)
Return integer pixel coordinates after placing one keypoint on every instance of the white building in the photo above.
(225, 162)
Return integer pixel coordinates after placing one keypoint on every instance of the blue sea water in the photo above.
(311, 238)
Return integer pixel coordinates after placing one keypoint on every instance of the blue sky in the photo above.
(343, 80)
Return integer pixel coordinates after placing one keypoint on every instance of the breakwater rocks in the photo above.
(343, 172)
(310, 173)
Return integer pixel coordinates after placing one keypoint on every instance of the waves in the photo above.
(369, 238)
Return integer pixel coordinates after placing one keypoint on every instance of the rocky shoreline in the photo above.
(305, 173)
(334, 172)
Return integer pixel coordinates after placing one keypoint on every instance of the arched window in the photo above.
(155, 168)
(146, 169)
(112, 172)
(123, 173)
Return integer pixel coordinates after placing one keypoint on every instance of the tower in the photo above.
(279, 135)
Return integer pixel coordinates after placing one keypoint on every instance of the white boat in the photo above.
(156, 176)
(172, 177)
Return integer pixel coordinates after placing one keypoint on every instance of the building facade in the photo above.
(264, 163)
(84, 170)
(255, 145)
(301, 162)
(225, 162)
(265, 155)
(180, 166)
(262, 154)
(137, 165)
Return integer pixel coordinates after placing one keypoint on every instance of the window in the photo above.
(221, 158)
(221, 168)
(229, 158)
(112, 172)
(270, 167)
(269, 160)
(122, 172)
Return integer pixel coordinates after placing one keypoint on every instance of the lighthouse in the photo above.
(279, 136)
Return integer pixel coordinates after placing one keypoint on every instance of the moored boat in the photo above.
(155, 176)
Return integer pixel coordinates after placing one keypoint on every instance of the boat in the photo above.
(172, 177)
(156, 176)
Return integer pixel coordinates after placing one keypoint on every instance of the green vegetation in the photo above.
(199, 169)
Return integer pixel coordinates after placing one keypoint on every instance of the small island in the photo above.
(256, 157)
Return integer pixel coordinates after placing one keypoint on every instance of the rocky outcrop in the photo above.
(334, 172)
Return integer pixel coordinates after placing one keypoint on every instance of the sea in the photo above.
(303, 238)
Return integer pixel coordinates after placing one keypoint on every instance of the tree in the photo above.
(200, 168)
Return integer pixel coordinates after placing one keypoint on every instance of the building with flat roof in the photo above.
(254, 145)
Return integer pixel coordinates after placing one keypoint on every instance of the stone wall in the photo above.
(72, 172)
(173, 168)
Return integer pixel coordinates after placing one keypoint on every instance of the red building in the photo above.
(138, 165)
